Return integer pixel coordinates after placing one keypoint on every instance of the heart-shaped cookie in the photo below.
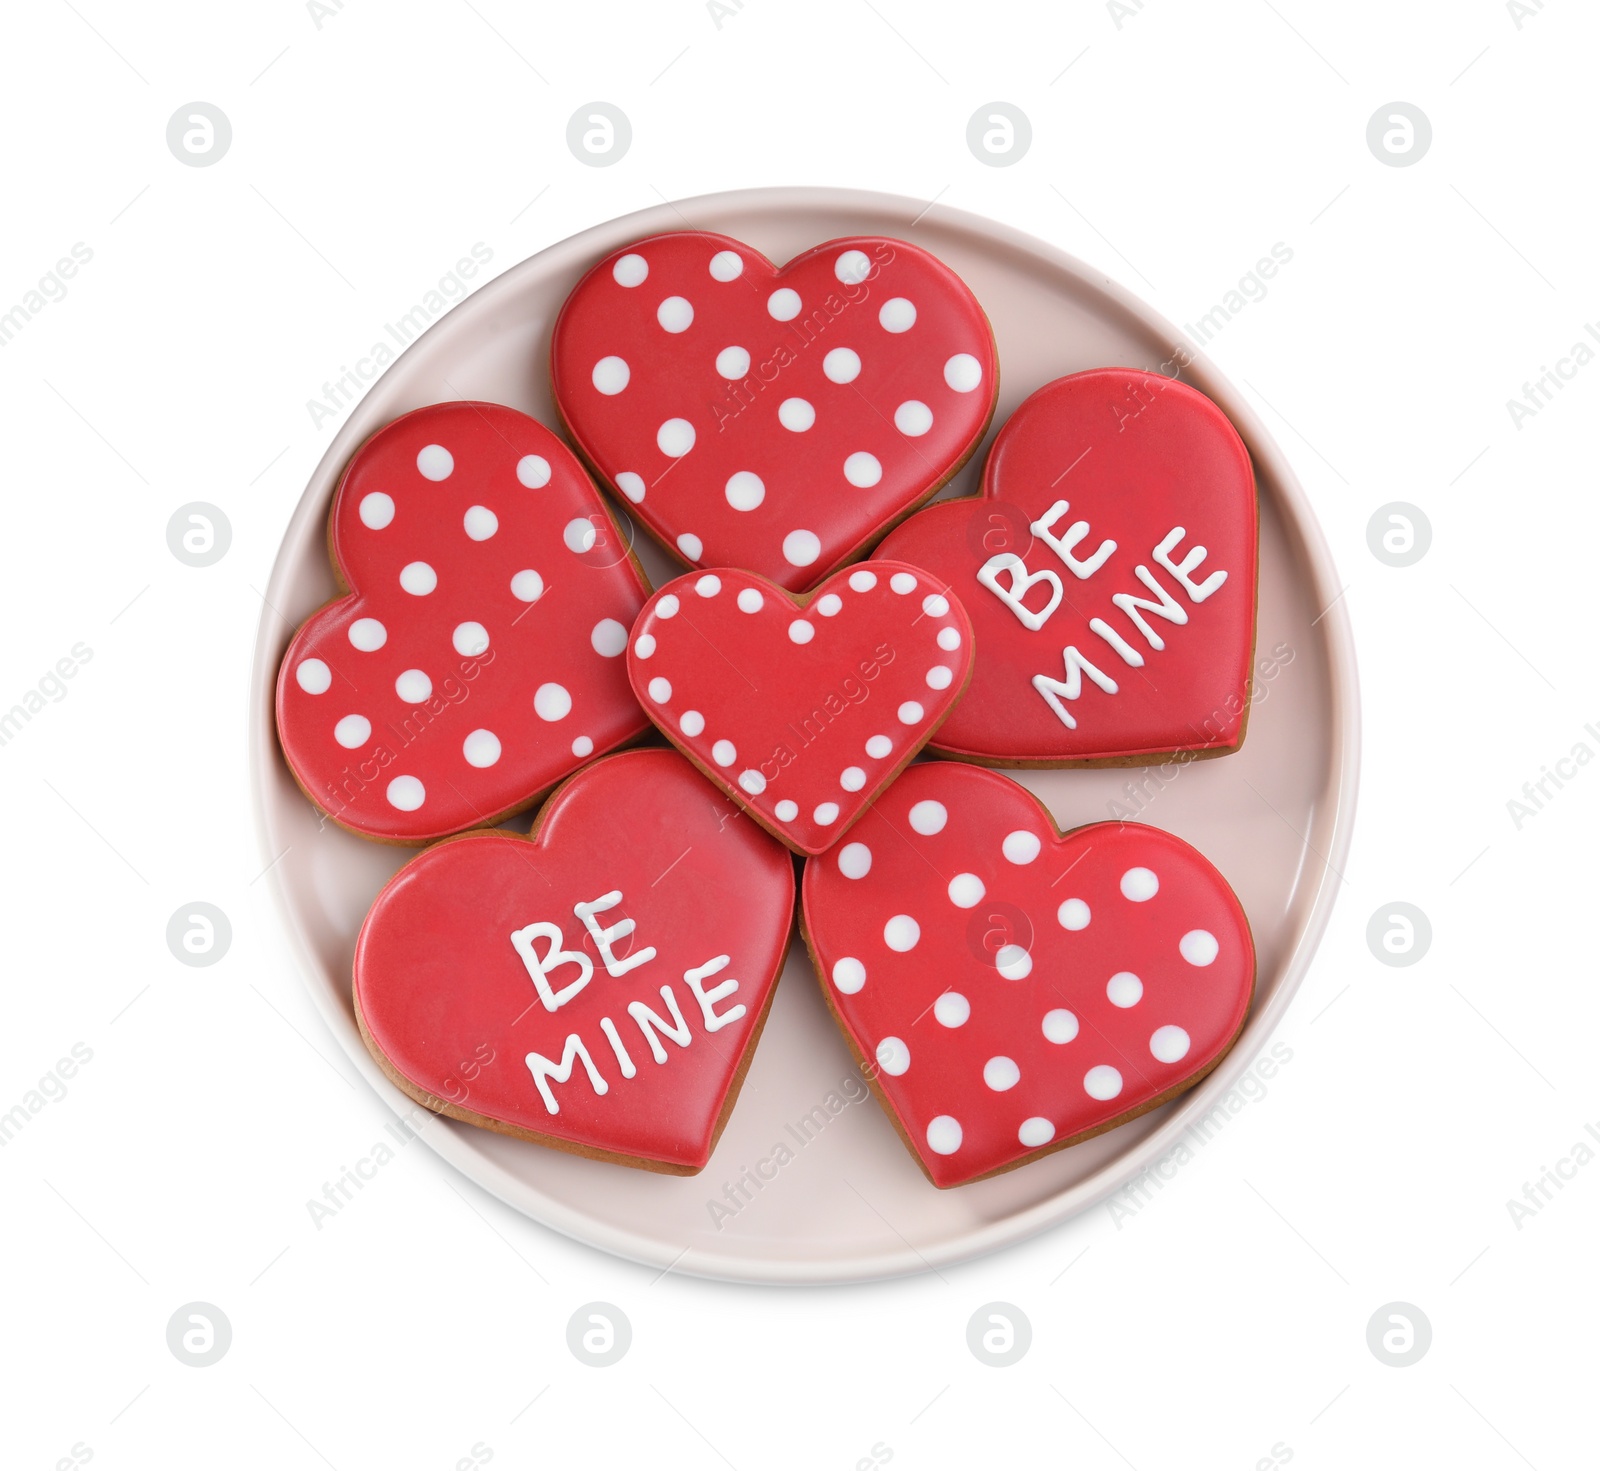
(1016, 990)
(777, 420)
(599, 989)
(476, 658)
(801, 709)
(1109, 566)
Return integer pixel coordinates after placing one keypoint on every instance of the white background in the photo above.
(1222, 1325)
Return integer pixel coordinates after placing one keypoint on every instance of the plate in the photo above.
(810, 1183)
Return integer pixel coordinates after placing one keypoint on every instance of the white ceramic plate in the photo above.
(851, 1204)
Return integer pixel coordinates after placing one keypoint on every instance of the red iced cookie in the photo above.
(1013, 990)
(599, 989)
(801, 709)
(1109, 566)
(476, 659)
(773, 419)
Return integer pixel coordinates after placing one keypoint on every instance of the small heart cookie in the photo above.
(777, 419)
(475, 659)
(599, 989)
(1017, 990)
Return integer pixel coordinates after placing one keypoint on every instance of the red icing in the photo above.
(802, 473)
(802, 732)
(1136, 455)
(587, 597)
(448, 1003)
(959, 953)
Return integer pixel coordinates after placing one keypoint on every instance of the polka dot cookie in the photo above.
(801, 709)
(1011, 990)
(476, 657)
(776, 420)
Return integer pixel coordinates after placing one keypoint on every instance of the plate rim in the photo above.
(1342, 778)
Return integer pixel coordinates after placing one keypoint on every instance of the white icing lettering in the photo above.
(1128, 653)
(650, 1024)
(1199, 592)
(720, 991)
(1169, 607)
(1070, 685)
(543, 1070)
(1065, 545)
(1021, 581)
(624, 1061)
(554, 956)
(604, 939)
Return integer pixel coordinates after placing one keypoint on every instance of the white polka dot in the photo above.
(1102, 1082)
(579, 535)
(552, 702)
(753, 782)
(534, 471)
(852, 778)
(750, 600)
(583, 746)
(631, 485)
(745, 490)
(936, 605)
(944, 1134)
(801, 632)
(629, 270)
(1021, 846)
(481, 748)
(1035, 1132)
(610, 376)
(897, 315)
(825, 814)
(801, 548)
(951, 1009)
(413, 687)
(909, 713)
(1124, 989)
(1001, 1074)
(894, 1057)
(727, 265)
(1198, 947)
(1139, 884)
(406, 793)
(855, 860)
(667, 607)
(796, 414)
(368, 635)
(644, 646)
(862, 469)
(829, 604)
(709, 585)
(377, 510)
(353, 731)
(852, 267)
(691, 546)
(913, 418)
(783, 305)
(928, 817)
(313, 676)
(724, 754)
(949, 639)
(527, 585)
(1013, 962)
(939, 677)
(903, 583)
(418, 579)
(966, 889)
(470, 639)
(435, 462)
(849, 974)
(1073, 915)
(786, 811)
(675, 438)
(660, 690)
(1060, 1026)
(1169, 1044)
(902, 933)
(841, 365)
(963, 372)
(675, 314)
(879, 746)
(733, 363)
(608, 638)
(480, 523)
(693, 723)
